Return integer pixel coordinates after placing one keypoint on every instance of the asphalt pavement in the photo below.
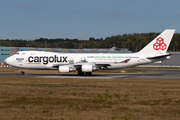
(150, 74)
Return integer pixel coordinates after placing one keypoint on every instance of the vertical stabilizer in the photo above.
(160, 44)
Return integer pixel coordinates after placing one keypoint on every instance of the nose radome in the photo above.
(7, 61)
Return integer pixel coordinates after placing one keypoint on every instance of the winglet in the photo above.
(160, 44)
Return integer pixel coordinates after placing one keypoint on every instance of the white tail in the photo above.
(160, 44)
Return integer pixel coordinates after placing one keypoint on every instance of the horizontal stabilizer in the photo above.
(159, 56)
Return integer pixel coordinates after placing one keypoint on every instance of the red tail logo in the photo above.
(159, 45)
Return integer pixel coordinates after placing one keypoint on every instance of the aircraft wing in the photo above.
(78, 65)
(97, 64)
(57, 65)
(102, 64)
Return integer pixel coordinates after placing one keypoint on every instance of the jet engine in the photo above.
(88, 68)
(66, 69)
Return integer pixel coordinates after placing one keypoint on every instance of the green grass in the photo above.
(108, 99)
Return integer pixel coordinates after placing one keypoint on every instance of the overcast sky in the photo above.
(81, 19)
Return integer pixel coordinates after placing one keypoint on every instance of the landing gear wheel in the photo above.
(22, 72)
(88, 73)
(80, 73)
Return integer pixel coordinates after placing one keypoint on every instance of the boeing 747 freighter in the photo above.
(86, 63)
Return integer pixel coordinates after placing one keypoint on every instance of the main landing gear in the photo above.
(22, 72)
(88, 73)
(80, 73)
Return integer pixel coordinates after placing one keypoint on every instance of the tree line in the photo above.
(134, 42)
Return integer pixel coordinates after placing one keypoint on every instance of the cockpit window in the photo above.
(17, 53)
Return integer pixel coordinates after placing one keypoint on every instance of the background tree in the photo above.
(133, 42)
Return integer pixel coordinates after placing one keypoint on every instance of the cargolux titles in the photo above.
(47, 59)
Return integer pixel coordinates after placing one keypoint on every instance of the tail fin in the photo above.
(160, 44)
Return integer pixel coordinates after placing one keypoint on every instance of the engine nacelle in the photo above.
(63, 69)
(66, 69)
(87, 68)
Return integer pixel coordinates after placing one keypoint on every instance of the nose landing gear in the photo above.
(22, 72)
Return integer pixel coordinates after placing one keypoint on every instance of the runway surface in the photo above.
(153, 74)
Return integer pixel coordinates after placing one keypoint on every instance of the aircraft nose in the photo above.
(6, 61)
